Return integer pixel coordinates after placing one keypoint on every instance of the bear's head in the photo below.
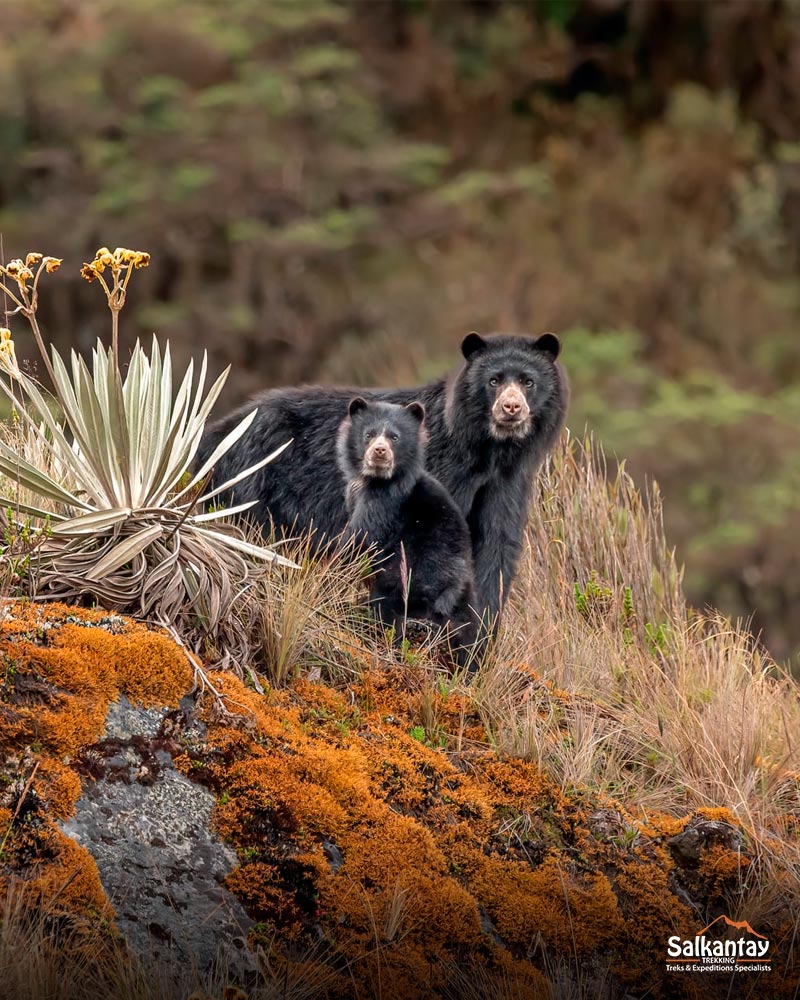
(382, 440)
(509, 378)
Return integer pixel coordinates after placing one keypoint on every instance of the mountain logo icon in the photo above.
(739, 925)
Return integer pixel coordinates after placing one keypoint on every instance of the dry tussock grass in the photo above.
(308, 617)
(634, 695)
(47, 953)
(23, 440)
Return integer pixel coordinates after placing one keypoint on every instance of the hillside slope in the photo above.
(620, 771)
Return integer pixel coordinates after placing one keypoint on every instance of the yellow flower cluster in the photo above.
(22, 270)
(115, 261)
(8, 356)
(19, 271)
(50, 263)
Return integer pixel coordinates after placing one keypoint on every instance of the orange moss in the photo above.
(322, 698)
(652, 912)
(261, 887)
(59, 786)
(525, 982)
(270, 785)
(73, 672)
(70, 879)
(146, 666)
(63, 666)
(660, 825)
(721, 865)
(719, 814)
(571, 913)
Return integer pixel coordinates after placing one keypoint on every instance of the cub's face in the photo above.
(511, 379)
(384, 440)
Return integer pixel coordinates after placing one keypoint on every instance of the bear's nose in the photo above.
(380, 451)
(512, 406)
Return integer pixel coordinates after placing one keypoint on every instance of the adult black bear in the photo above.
(490, 423)
(423, 543)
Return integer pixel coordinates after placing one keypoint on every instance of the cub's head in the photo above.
(509, 379)
(382, 440)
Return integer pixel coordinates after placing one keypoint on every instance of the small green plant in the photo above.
(628, 611)
(21, 538)
(657, 636)
(408, 653)
(429, 732)
(594, 597)
(626, 838)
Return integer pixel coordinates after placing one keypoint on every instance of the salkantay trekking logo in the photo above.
(747, 953)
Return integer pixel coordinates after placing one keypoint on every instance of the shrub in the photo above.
(102, 478)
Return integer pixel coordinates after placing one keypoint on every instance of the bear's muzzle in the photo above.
(511, 413)
(379, 458)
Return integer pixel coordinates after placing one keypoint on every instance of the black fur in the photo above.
(489, 477)
(424, 551)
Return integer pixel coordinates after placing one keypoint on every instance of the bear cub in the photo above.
(425, 570)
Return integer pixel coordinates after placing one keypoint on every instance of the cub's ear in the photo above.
(417, 411)
(549, 344)
(471, 344)
(356, 406)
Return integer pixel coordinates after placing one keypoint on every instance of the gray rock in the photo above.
(148, 829)
(701, 833)
(124, 720)
(333, 854)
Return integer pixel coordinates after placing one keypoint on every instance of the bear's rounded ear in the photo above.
(417, 411)
(471, 344)
(549, 344)
(356, 406)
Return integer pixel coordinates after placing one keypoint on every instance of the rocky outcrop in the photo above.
(148, 829)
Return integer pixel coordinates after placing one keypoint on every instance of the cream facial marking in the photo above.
(379, 457)
(510, 413)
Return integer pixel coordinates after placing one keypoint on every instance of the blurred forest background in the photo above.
(340, 190)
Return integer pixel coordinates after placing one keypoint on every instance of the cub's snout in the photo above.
(379, 457)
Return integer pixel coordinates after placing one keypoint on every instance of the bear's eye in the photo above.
(369, 435)
(395, 437)
(494, 381)
(529, 382)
